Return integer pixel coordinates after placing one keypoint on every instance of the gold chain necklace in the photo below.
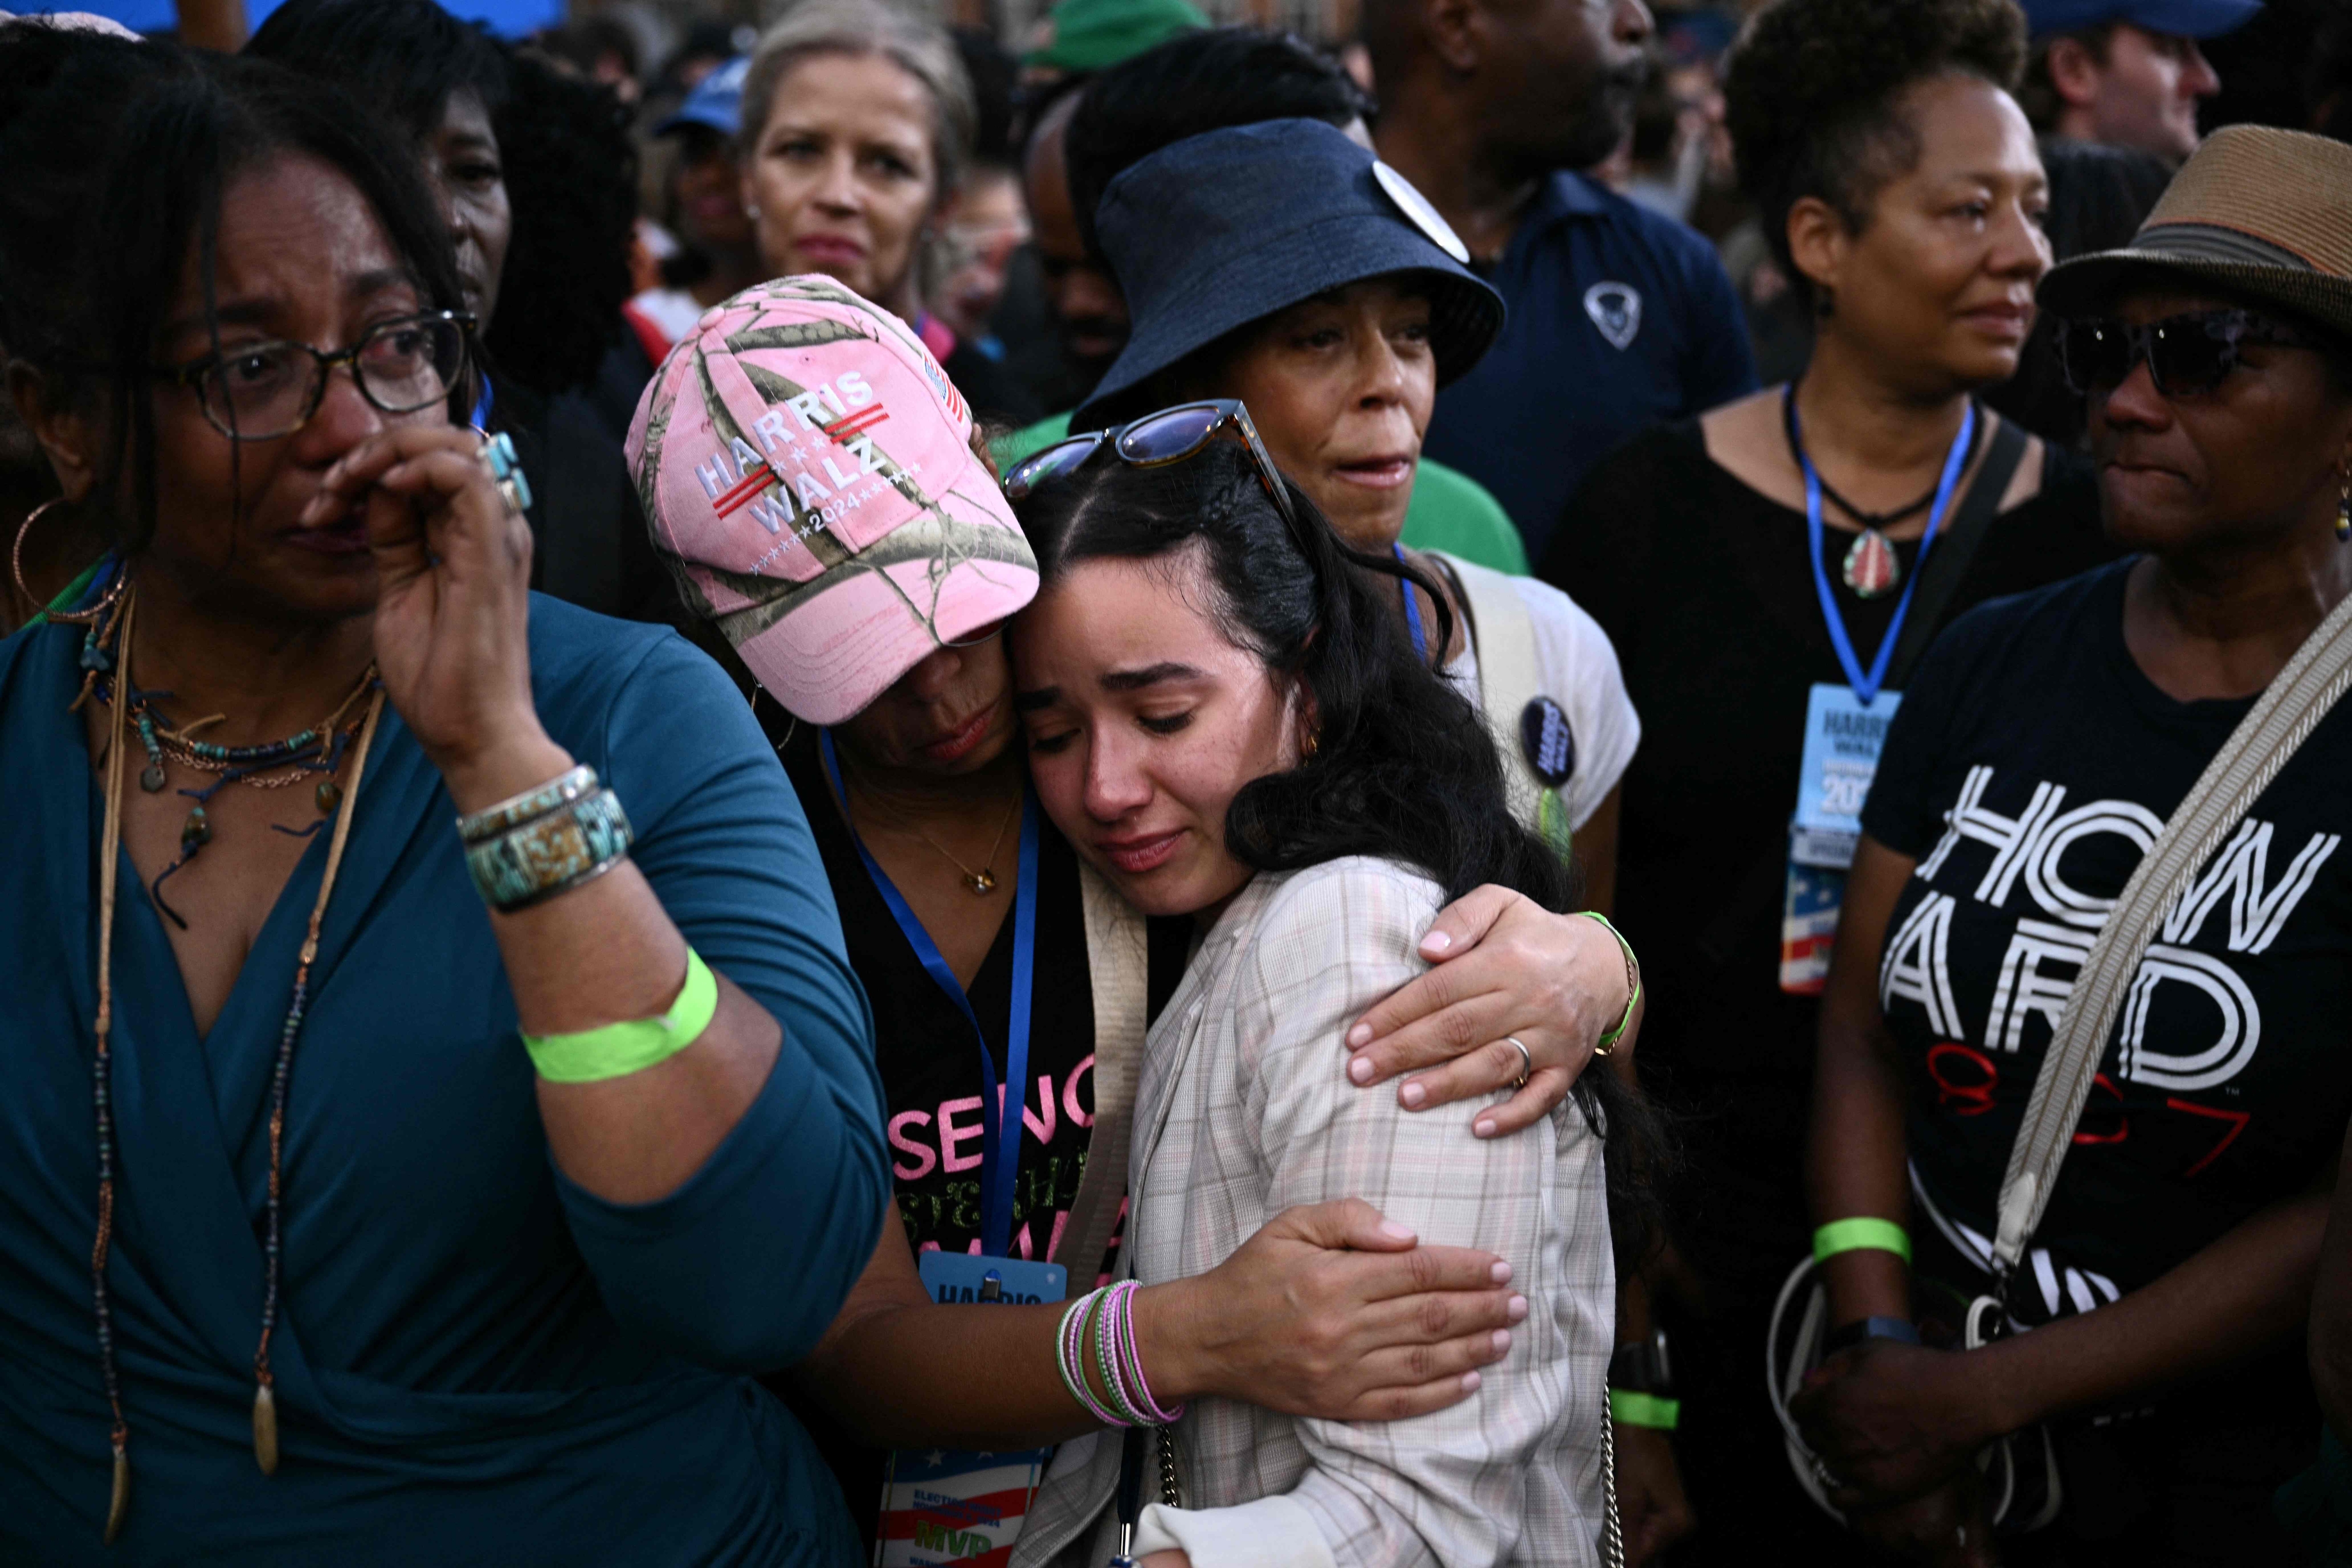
(982, 882)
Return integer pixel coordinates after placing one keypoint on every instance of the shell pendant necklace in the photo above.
(1871, 568)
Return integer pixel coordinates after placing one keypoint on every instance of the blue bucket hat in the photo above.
(2182, 18)
(717, 101)
(1218, 230)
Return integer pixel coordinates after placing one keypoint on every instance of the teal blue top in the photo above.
(1449, 511)
(476, 1361)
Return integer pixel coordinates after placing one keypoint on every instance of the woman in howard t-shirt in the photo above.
(2043, 746)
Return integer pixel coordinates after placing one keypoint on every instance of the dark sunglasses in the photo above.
(2186, 354)
(1156, 440)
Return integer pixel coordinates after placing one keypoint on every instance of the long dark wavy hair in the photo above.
(1403, 767)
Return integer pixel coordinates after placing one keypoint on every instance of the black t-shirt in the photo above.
(924, 1049)
(2030, 766)
(1706, 587)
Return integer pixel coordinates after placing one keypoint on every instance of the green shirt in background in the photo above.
(1449, 511)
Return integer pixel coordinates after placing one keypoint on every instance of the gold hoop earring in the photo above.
(89, 617)
(2344, 508)
(1312, 744)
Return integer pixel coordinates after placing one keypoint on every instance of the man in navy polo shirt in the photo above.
(1620, 318)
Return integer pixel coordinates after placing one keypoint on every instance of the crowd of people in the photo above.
(1609, 730)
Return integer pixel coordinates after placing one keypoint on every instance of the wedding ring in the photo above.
(506, 472)
(1527, 1060)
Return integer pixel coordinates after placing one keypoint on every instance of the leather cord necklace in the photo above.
(117, 660)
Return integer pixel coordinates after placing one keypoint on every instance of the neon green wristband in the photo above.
(1608, 1042)
(1644, 1409)
(1857, 1235)
(619, 1049)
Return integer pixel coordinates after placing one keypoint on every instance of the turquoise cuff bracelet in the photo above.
(518, 810)
(526, 851)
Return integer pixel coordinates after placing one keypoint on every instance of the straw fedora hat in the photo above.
(2261, 215)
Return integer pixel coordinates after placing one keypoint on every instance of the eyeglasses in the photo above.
(1156, 440)
(2185, 355)
(258, 392)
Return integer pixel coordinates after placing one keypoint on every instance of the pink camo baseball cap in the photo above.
(807, 471)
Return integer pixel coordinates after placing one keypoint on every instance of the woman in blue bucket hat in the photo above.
(1284, 265)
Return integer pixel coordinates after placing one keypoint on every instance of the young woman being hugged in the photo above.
(1229, 722)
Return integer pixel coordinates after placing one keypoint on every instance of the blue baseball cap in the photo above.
(1218, 230)
(717, 101)
(2182, 18)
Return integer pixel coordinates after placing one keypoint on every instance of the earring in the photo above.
(17, 573)
(2343, 508)
(1308, 746)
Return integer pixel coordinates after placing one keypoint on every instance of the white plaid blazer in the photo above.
(1244, 1110)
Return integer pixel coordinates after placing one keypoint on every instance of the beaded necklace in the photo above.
(112, 646)
(273, 765)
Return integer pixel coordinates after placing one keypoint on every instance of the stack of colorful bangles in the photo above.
(1106, 1318)
(546, 840)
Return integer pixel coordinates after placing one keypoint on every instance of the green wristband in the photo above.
(619, 1049)
(1608, 1042)
(1859, 1235)
(1651, 1410)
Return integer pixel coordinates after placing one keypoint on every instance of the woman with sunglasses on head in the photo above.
(1336, 325)
(2043, 746)
(403, 1166)
(807, 467)
(1768, 576)
(1231, 725)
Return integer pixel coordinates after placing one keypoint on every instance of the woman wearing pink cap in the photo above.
(809, 472)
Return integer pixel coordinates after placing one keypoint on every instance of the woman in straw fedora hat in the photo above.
(2042, 749)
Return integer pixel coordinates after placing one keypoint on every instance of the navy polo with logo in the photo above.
(1621, 318)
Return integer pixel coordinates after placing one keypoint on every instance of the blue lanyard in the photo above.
(1865, 686)
(1413, 613)
(481, 420)
(1000, 1114)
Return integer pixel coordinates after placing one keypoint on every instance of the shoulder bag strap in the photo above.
(1508, 677)
(1116, 973)
(2282, 719)
(1956, 548)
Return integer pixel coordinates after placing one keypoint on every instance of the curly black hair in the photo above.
(1815, 99)
(570, 165)
(572, 180)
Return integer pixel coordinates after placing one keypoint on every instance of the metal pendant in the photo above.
(151, 778)
(329, 795)
(265, 1429)
(981, 883)
(1871, 567)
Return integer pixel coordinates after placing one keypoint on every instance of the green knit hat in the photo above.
(1082, 36)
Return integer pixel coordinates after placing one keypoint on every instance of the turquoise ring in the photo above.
(506, 472)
